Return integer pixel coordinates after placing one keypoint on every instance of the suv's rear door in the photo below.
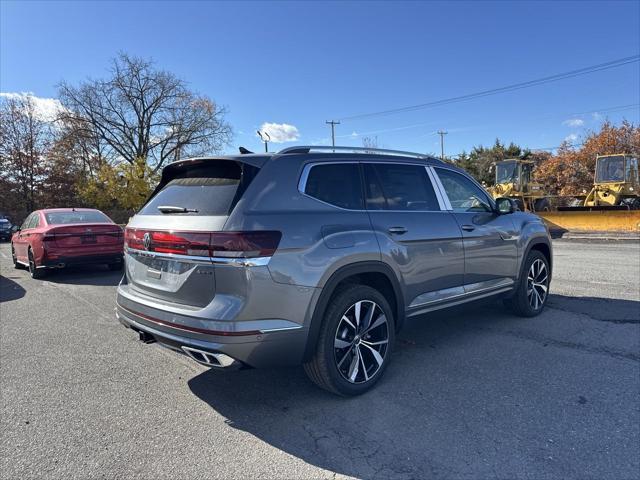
(415, 234)
(167, 244)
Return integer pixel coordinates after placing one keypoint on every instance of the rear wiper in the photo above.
(172, 209)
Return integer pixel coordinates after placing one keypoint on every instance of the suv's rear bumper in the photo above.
(264, 347)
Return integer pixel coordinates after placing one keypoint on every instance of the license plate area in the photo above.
(89, 239)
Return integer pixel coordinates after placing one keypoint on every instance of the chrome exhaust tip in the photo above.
(217, 360)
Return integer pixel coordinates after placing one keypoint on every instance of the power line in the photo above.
(494, 91)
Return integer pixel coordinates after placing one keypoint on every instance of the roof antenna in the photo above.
(244, 151)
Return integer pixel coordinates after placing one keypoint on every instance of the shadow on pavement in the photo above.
(98, 275)
(601, 309)
(10, 290)
(454, 403)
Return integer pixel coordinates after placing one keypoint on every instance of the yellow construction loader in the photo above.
(616, 185)
(514, 179)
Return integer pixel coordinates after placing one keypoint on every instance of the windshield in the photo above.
(84, 216)
(610, 169)
(506, 172)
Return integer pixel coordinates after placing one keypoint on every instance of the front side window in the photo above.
(399, 187)
(464, 195)
(337, 184)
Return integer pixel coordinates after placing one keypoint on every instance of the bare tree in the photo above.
(140, 111)
(370, 142)
(25, 137)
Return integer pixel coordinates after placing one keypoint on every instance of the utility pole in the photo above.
(442, 133)
(333, 124)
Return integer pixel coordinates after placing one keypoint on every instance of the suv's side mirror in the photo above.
(505, 205)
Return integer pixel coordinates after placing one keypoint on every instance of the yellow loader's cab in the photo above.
(616, 182)
(514, 179)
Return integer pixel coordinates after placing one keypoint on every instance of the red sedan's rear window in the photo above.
(62, 218)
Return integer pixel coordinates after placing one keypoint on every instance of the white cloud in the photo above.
(573, 122)
(280, 132)
(571, 138)
(46, 108)
(354, 134)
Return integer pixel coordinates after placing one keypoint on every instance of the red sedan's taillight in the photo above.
(215, 244)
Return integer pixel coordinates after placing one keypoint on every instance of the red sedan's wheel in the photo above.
(34, 271)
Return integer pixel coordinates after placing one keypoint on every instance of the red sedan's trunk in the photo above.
(82, 241)
(85, 235)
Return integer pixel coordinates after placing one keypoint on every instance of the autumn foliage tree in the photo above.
(479, 160)
(25, 138)
(570, 171)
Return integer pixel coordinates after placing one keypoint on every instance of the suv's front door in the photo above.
(490, 239)
(420, 240)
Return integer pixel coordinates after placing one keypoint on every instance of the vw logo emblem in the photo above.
(146, 241)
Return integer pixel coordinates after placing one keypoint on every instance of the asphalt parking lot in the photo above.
(473, 393)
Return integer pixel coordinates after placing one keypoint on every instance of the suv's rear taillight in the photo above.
(215, 244)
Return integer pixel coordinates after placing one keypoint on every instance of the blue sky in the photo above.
(301, 63)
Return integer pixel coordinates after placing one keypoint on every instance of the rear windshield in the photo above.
(212, 189)
(61, 218)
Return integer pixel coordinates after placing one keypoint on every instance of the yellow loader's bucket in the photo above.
(594, 221)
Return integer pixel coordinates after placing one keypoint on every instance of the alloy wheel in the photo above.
(361, 341)
(537, 284)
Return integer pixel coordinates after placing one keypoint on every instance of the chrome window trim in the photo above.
(302, 183)
(232, 261)
(443, 200)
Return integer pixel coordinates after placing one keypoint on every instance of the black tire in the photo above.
(324, 368)
(115, 267)
(542, 205)
(528, 299)
(16, 265)
(36, 273)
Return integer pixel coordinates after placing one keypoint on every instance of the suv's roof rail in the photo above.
(328, 148)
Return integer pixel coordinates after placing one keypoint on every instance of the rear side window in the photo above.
(61, 218)
(35, 221)
(211, 189)
(336, 183)
(399, 187)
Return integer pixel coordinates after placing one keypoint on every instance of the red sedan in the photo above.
(57, 237)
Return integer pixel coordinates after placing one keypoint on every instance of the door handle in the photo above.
(397, 230)
(468, 228)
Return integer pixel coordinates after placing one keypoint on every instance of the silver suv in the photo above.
(317, 256)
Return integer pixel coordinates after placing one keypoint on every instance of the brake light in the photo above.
(215, 244)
